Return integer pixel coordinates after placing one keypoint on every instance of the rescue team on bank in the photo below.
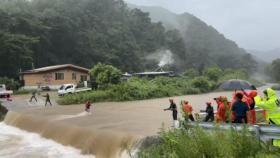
(240, 110)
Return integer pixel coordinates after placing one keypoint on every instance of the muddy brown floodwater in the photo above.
(143, 117)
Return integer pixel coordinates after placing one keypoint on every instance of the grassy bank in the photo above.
(138, 89)
(199, 143)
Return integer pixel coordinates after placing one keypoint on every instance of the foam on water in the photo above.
(16, 143)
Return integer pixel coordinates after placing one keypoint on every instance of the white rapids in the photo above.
(16, 143)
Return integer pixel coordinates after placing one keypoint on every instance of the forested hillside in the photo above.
(204, 44)
(85, 32)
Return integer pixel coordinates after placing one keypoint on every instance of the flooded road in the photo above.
(144, 117)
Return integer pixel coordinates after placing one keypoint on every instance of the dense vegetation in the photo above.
(141, 88)
(45, 32)
(198, 143)
(11, 84)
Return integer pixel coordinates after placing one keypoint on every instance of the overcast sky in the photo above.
(253, 24)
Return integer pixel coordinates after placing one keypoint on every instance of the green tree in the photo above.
(213, 73)
(201, 83)
(10, 83)
(105, 74)
(191, 73)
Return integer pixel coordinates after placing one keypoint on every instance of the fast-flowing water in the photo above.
(101, 144)
(16, 143)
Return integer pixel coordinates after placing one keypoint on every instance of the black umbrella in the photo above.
(236, 85)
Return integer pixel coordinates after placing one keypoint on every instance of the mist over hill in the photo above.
(266, 56)
(204, 44)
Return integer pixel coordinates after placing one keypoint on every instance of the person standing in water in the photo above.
(209, 112)
(48, 100)
(173, 108)
(240, 109)
(33, 96)
(271, 104)
(187, 107)
(87, 107)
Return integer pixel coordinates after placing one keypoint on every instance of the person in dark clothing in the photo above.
(33, 96)
(240, 109)
(87, 107)
(173, 108)
(48, 100)
(209, 113)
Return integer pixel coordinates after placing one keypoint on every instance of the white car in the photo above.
(70, 89)
(3, 91)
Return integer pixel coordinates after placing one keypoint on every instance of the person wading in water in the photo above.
(48, 100)
(173, 108)
(33, 96)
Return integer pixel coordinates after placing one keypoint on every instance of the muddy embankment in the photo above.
(3, 112)
(100, 143)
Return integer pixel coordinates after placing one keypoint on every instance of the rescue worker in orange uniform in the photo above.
(223, 111)
(187, 108)
(250, 99)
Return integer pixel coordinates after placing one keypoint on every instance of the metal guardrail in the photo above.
(262, 132)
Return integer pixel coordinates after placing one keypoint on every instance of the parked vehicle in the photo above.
(4, 92)
(45, 88)
(70, 89)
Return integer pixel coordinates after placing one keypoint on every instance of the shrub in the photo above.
(21, 91)
(191, 73)
(135, 89)
(10, 83)
(213, 73)
(199, 143)
(105, 74)
(201, 83)
(81, 98)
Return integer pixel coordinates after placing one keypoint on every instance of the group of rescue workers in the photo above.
(240, 110)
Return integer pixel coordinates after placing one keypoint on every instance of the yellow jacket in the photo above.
(270, 104)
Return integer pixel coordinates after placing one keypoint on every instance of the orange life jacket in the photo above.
(187, 108)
